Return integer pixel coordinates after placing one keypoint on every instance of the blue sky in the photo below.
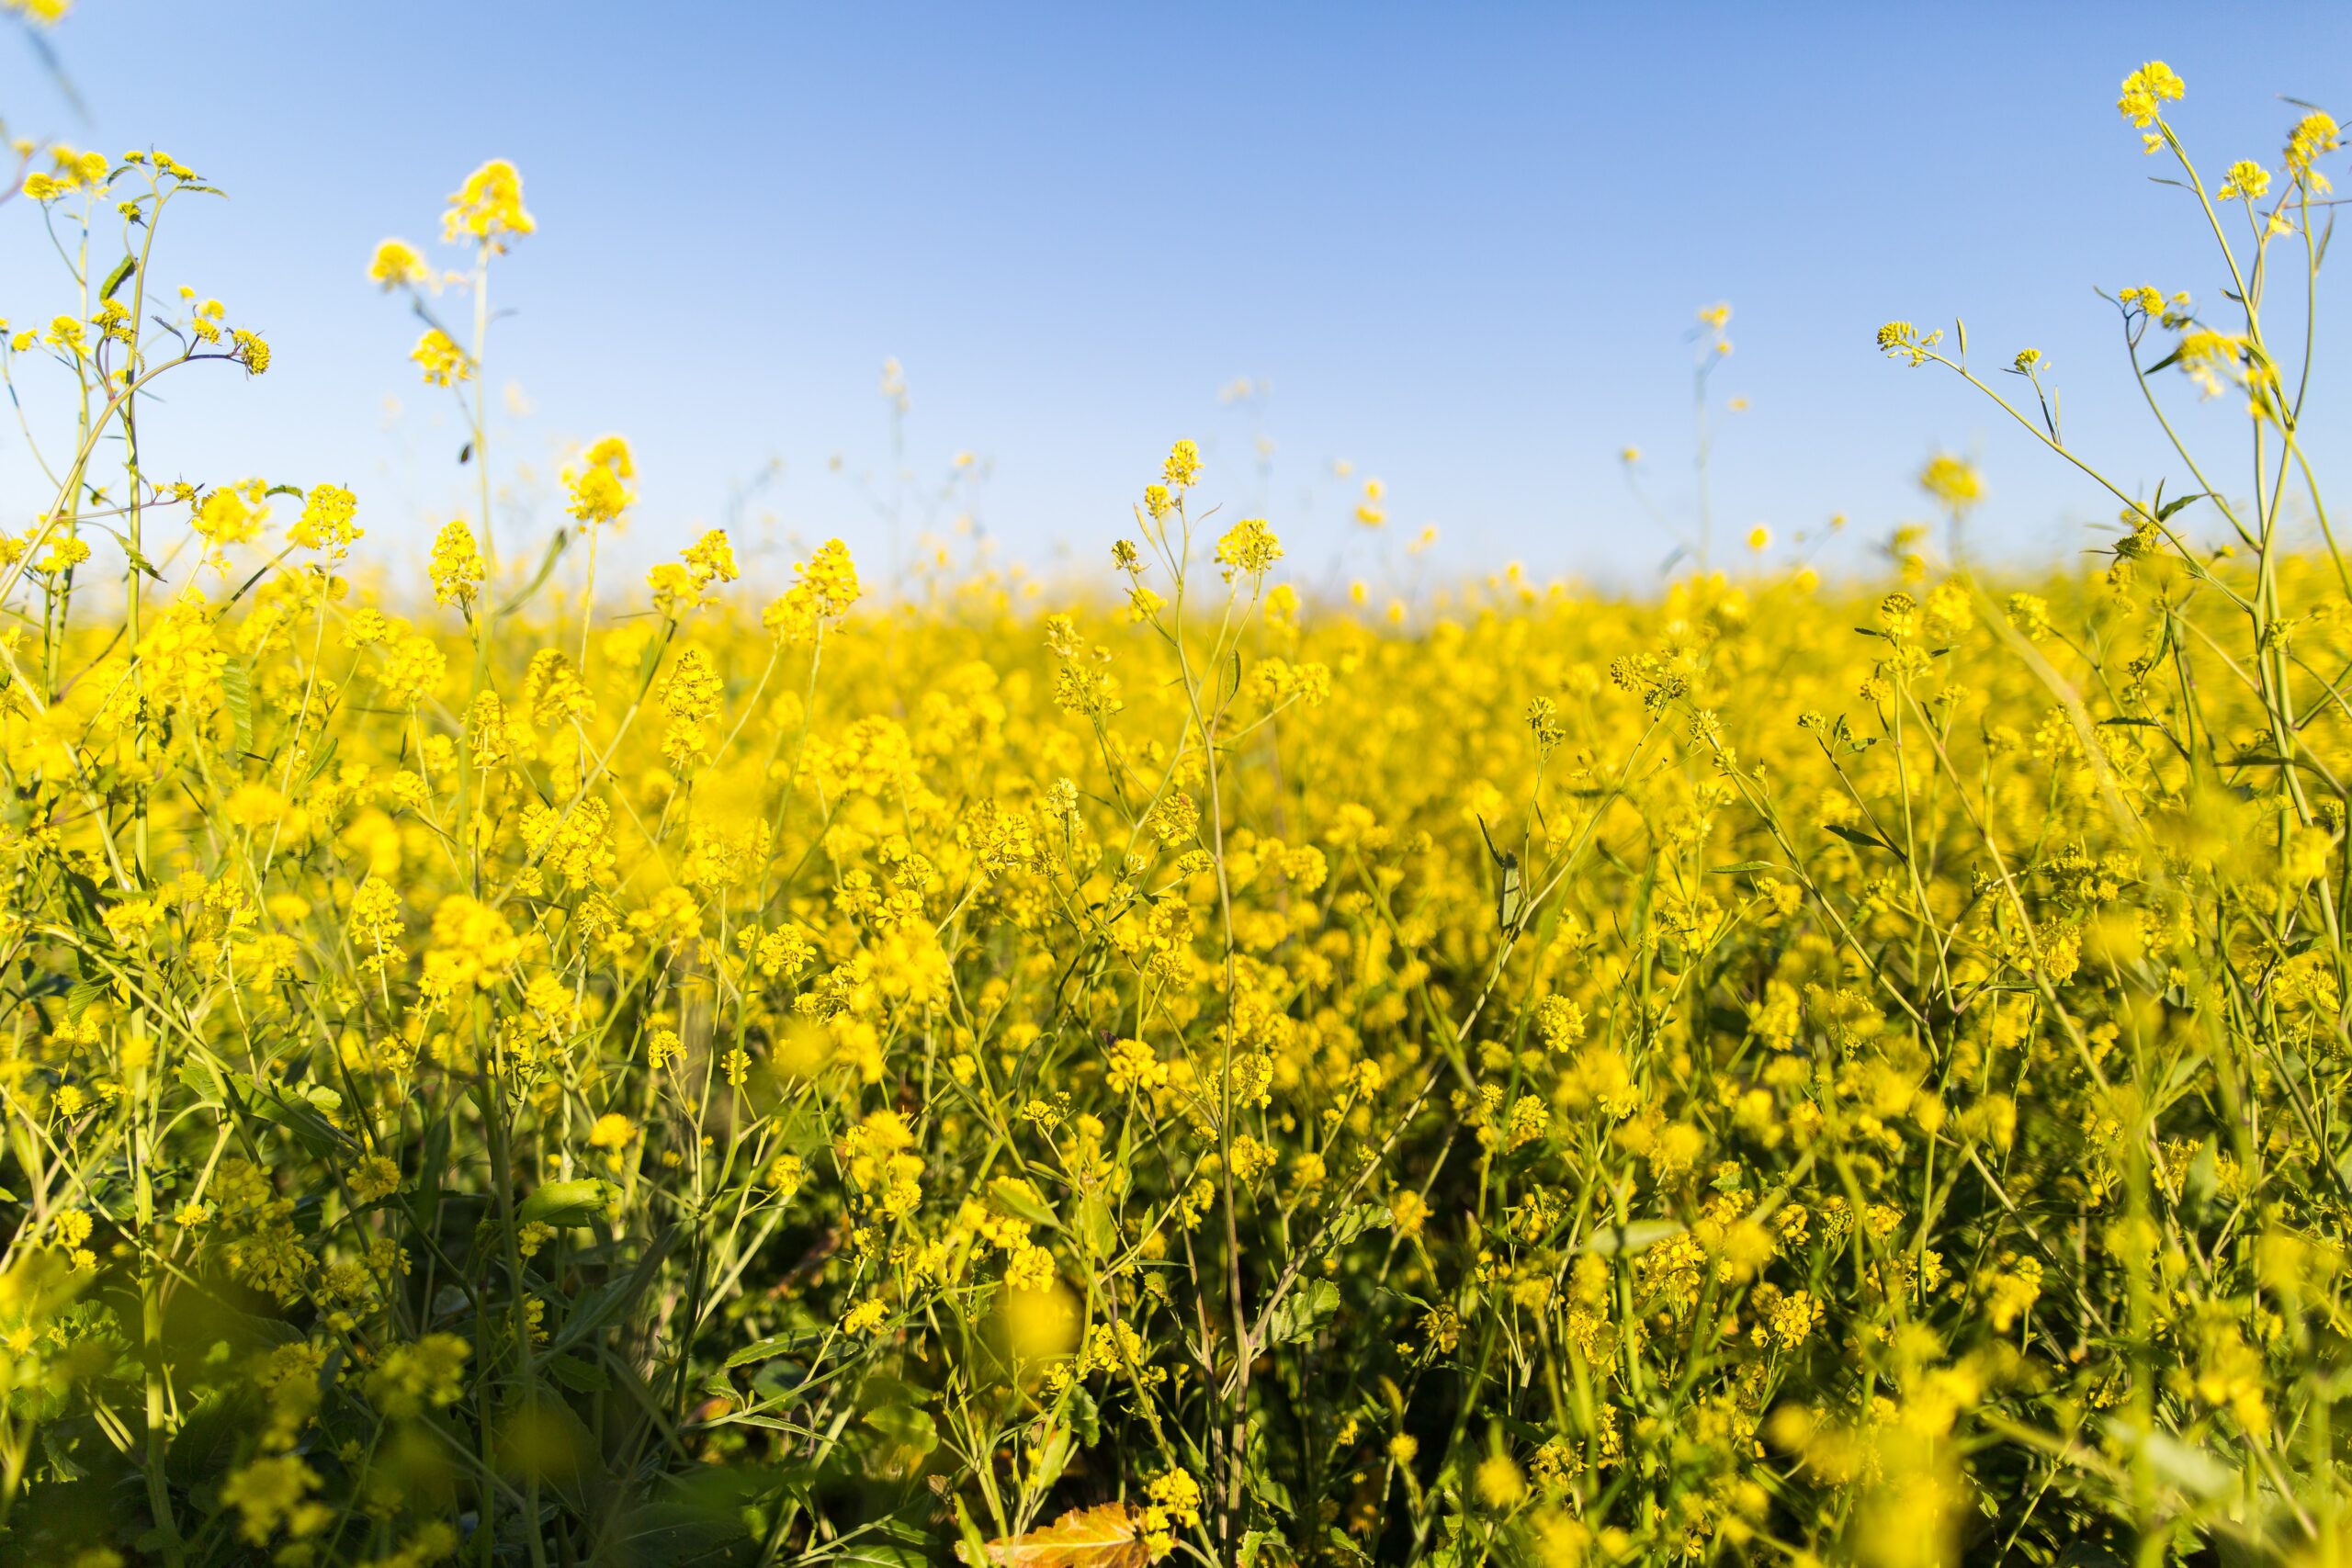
(1463, 245)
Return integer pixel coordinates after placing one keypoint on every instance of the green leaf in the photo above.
(1354, 1221)
(1096, 1228)
(2182, 1465)
(676, 1534)
(1867, 840)
(302, 1109)
(1255, 1542)
(547, 565)
(201, 1079)
(598, 1307)
(774, 1346)
(237, 696)
(566, 1204)
(1085, 1417)
(206, 1442)
(1511, 895)
(86, 991)
(973, 1544)
(905, 1425)
(1632, 1236)
(577, 1374)
(1022, 1206)
(1298, 1315)
(59, 1445)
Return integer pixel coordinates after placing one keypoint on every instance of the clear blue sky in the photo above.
(1463, 244)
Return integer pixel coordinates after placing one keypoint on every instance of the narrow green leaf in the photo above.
(614, 1298)
(776, 1345)
(547, 564)
(1867, 840)
(1022, 1206)
(1632, 1238)
(237, 696)
(566, 1204)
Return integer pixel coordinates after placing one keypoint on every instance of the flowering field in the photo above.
(569, 1070)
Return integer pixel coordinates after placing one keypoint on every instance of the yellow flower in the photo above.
(1953, 481)
(1900, 340)
(326, 524)
(489, 208)
(250, 350)
(269, 1492)
(376, 921)
(443, 362)
(1183, 466)
(825, 588)
(1498, 1481)
(2145, 91)
(1171, 1499)
(599, 484)
(2247, 181)
(684, 585)
(456, 568)
(1248, 548)
(397, 263)
(40, 13)
(2313, 134)
(231, 514)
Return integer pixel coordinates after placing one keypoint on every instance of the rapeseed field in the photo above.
(565, 1066)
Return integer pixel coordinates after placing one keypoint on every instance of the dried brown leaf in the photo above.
(1109, 1535)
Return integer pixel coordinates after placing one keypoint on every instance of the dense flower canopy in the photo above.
(550, 1070)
